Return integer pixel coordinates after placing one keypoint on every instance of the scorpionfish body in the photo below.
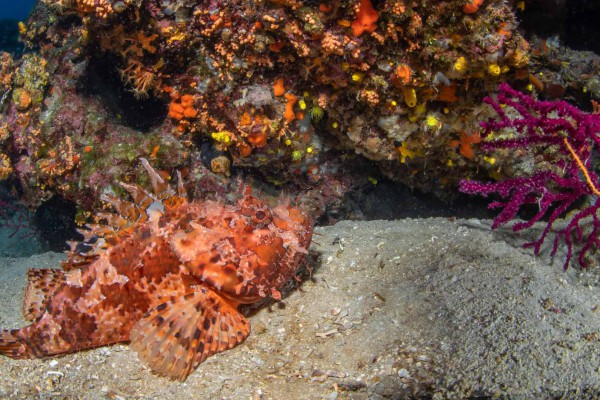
(165, 274)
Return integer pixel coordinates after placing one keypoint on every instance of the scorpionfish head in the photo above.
(246, 251)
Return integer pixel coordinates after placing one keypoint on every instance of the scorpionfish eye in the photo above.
(261, 217)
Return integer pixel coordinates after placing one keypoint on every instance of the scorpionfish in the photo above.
(165, 274)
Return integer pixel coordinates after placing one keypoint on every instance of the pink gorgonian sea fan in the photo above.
(563, 142)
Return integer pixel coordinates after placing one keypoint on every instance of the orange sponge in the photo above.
(289, 115)
(366, 18)
(184, 108)
(278, 87)
(472, 7)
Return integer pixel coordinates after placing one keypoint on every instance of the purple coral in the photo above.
(17, 218)
(567, 137)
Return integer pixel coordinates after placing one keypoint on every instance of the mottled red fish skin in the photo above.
(98, 304)
(242, 252)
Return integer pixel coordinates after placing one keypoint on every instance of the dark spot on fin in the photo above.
(83, 248)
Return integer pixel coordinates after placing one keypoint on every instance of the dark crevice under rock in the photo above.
(103, 79)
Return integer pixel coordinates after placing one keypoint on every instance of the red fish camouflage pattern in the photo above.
(165, 274)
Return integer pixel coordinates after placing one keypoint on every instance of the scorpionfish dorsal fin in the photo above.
(111, 227)
(175, 337)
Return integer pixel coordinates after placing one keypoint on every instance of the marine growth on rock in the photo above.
(280, 88)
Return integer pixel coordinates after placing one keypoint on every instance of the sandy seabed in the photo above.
(392, 309)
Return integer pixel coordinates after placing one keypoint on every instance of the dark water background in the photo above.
(15, 9)
(11, 12)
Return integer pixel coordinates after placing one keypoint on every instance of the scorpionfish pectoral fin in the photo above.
(176, 336)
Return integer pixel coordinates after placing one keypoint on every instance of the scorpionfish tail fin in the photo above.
(12, 347)
(175, 337)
